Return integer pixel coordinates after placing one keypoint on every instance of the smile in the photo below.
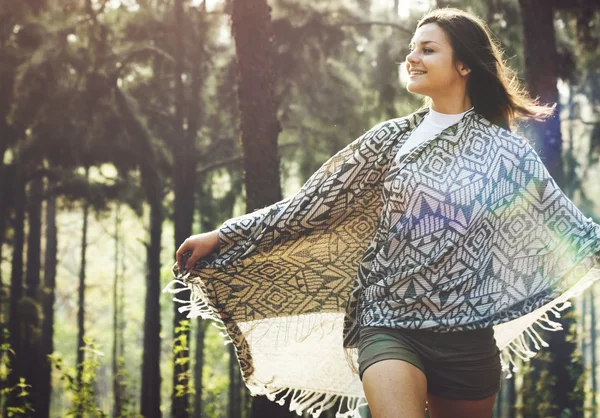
(416, 73)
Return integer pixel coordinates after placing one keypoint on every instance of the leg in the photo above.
(451, 408)
(395, 389)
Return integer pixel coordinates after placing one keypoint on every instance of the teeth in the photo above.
(417, 72)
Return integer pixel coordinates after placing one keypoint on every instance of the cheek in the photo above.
(441, 69)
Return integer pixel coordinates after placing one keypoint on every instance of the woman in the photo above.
(427, 233)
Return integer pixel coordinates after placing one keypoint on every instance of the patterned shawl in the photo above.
(468, 230)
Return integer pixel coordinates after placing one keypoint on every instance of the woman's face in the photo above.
(431, 68)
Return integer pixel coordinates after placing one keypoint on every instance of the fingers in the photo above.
(192, 260)
(180, 251)
(192, 249)
(183, 249)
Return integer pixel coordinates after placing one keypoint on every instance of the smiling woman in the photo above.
(430, 249)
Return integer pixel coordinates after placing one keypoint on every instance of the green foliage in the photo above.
(181, 356)
(19, 392)
(216, 378)
(127, 398)
(539, 383)
(83, 398)
(575, 368)
(22, 393)
(537, 388)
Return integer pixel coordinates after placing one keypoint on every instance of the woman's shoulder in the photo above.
(482, 127)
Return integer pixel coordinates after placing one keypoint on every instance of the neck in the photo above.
(450, 105)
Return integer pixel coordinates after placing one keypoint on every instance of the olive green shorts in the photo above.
(458, 365)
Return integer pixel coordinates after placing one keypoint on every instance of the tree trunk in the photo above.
(497, 411)
(81, 296)
(31, 349)
(251, 26)
(34, 238)
(47, 344)
(118, 405)
(541, 74)
(151, 364)
(208, 222)
(153, 189)
(199, 366)
(584, 341)
(4, 289)
(593, 350)
(504, 406)
(16, 282)
(511, 398)
(234, 406)
(184, 185)
(9, 63)
(4, 209)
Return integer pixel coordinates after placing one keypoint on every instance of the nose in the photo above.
(411, 57)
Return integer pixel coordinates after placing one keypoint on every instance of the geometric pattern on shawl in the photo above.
(475, 233)
(288, 281)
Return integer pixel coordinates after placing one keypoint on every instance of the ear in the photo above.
(463, 69)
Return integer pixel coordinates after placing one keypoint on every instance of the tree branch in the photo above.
(377, 23)
(235, 159)
(218, 164)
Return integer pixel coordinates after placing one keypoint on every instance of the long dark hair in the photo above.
(493, 87)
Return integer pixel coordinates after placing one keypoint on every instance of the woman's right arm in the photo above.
(201, 245)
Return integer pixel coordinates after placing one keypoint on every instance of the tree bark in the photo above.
(151, 364)
(541, 75)
(48, 297)
(153, 189)
(593, 350)
(81, 295)
(7, 133)
(184, 187)
(31, 349)
(251, 27)
(117, 393)
(234, 406)
(34, 238)
(199, 366)
(511, 398)
(16, 281)
(4, 209)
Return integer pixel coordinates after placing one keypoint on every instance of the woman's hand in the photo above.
(201, 245)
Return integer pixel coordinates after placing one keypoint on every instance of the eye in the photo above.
(427, 50)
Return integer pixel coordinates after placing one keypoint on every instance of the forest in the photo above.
(128, 125)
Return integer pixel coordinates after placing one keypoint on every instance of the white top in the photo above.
(432, 125)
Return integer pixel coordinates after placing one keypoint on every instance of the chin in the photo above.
(415, 89)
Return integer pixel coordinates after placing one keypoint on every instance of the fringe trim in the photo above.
(301, 400)
(314, 403)
(521, 345)
(198, 303)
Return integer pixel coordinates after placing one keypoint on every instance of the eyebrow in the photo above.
(423, 43)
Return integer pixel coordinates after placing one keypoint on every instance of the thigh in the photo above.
(440, 407)
(395, 389)
(465, 366)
